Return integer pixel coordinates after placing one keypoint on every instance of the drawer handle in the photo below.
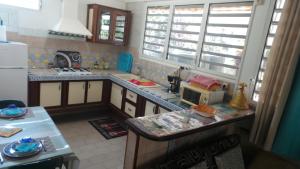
(89, 85)
(59, 87)
(130, 95)
(153, 110)
(129, 109)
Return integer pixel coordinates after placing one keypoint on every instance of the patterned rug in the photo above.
(109, 128)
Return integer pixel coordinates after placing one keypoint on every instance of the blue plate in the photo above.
(21, 149)
(12, 112)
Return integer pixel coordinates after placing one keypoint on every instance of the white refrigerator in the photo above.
(13, 71)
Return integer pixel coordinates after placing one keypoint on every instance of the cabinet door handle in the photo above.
(153, 110)
(130, 95)
(129, 109)
(122, 92)
(59, 87)
(89, 85)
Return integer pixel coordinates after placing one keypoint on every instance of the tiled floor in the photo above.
(93, 150)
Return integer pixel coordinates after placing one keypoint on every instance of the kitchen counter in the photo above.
(157, 95)
(172, 125)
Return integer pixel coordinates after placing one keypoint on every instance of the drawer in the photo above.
(131, 96)
(130, 109)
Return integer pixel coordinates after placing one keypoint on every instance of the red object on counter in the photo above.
(205, 82)
(139, 83)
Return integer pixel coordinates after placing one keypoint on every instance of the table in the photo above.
(36, 125)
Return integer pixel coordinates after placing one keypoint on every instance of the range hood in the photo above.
(69, 25)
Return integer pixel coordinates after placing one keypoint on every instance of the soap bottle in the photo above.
(2, 31)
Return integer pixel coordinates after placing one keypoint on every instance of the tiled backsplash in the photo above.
(42, 50)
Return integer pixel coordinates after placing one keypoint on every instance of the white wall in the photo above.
(37, 23)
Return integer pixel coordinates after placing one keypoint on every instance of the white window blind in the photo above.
(30, 4)
(156, 31)
(268, 44)
(184, 35)
(225, 37)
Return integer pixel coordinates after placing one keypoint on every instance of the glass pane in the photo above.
(156, 26)
(156, 33)
(154, 40)
(229, 20)
(185, 36)
(280, 4)
(187, 19)
(222, 60)
(189, 28)
(187, 45)
(105, 26)
(153, 47)
(120, 28)
(157, 18)
(181, 52)
(225, 40)
(189, 9)
(216, 68)
(223, 50)
(159, 10)
(266, 52)
(270, 41)
(231, 8)
(273, 28)
(276, 16)
(226, 30)
(148, 53)
(182, 60)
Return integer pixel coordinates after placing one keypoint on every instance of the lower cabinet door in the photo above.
(50, 94)
(130, 109)
(150, 108)
(116, 96)
(76, 93)
(94, 91)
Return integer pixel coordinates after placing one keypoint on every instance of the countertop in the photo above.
(157, 95)
(172, 125)
(36, 124)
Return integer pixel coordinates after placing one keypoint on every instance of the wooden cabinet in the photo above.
(108, 25)
(76, 93)
(130, 109)
(116, 96)
(94, 91)
(50, 94)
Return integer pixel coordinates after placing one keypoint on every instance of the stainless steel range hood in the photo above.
(69, 25)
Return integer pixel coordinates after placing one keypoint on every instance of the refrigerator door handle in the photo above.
(13, 67)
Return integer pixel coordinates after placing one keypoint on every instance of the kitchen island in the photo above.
(152, 138)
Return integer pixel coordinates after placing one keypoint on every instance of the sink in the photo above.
(137, 80)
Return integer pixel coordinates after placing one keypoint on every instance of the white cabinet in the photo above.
(94, 93)
(116, 95)
(131, 96)
(76, 93)
(162, 110)
(150, 108)
(50, 94)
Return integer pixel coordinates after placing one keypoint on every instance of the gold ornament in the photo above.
(239, 101)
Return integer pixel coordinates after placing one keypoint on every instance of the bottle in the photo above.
(2, 31)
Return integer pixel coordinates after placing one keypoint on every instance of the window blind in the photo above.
(225, 37)
(184, 34)
(268, 44)
(155, 31)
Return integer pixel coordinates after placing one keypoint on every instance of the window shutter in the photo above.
(225, 37)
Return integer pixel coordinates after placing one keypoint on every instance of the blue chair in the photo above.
(5, 103)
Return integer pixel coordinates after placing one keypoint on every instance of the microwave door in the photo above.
(191, 96)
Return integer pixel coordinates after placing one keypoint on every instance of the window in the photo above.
(30, 4)
(225, 37)
(185, 31)
(210, 37)
(268, 44)
(155, 32)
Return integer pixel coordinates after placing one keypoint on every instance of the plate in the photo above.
(10, 150)
(12, 112)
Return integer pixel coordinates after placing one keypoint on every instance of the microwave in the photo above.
(194, 95)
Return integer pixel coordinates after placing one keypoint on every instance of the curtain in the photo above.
(278, 76)
(288, 138)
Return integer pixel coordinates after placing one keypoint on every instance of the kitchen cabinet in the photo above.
(108, 25)
(116, 96)
(76, 93)
(150, 108)
(50, 94)
(130, 109)
(153, 108)
(94, 91)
